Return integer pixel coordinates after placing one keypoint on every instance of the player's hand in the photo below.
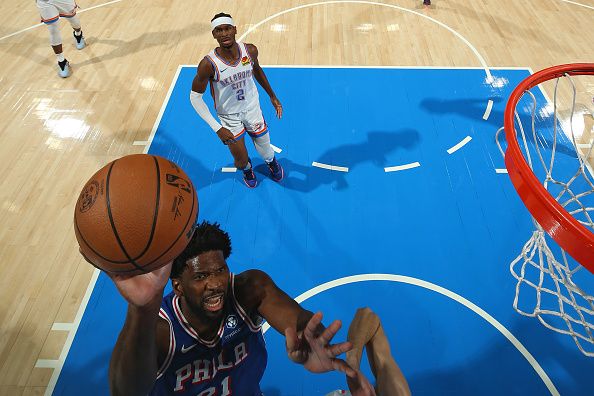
(144, 289)
(360, 386)
(226, 136)
(277, 106)
(314, 350)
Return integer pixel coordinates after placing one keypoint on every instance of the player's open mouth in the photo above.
(214, 303)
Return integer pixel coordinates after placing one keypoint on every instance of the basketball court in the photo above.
(391, 225)
(395, 197)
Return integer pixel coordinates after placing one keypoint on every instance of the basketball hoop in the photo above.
(560, 197)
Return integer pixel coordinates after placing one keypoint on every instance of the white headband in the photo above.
(221, 21)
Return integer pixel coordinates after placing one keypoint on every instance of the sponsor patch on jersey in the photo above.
(245, 60)
(231, 322)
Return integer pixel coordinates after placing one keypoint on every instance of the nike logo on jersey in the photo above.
(222, 70)
(184, 349)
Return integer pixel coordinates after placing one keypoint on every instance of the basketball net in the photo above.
(547, 277)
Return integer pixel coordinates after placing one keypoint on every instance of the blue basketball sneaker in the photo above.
(249, 177)
(276, 170)
(64, 69)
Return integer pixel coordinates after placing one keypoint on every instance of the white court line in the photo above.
(330, 167)
(459, 145)
(46, 363)
(85, 301)
(584, 145)
(139, 143)
(402, 167)
(500, 170)
(276, 149)
(488, 110)
(66, 348)
(472, 48)
(163, 106)
(62, 326)
(40, 24)
(228, 170)
(443, 291)
(578, 4)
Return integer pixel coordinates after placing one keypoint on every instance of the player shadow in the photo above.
(375, 149)
(202, 176)
(122, 48)
(41, 54)
(474, 109)
(488, 365)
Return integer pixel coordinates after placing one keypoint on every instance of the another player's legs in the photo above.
(79, 39)
(242, 161)
(366, 330)
(262, 144)
(56, 43)
(258, 131)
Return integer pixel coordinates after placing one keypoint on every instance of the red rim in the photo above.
(572, 236)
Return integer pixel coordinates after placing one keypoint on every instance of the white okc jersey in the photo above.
(233, 87)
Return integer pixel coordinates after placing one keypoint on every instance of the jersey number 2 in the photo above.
(240, 95)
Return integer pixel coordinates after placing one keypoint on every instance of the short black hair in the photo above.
(220, 14)
(207, 237)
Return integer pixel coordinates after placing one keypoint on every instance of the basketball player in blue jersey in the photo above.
(204, 338)
(231, 68)
(51, 11)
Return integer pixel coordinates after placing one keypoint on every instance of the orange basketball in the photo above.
(135, 214)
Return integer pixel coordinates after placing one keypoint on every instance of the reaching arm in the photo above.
(307, 341)
(263, 81)
(135, 358)
(205, 73)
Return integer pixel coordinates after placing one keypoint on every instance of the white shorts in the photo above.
(52, 10)
(250, 120)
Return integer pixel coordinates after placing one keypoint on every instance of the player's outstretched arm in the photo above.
(263, 80)
(308, 341)
(134, 361)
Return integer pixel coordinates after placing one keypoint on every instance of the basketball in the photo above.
(135, 214)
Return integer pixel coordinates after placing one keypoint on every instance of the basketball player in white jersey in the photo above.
(51, 11)
(231, 68)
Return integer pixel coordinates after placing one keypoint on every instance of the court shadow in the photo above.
(202, 176)
(375, 149)
(470, 377)
(122, 48)
(474, 109)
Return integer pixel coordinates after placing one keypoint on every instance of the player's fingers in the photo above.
(340, 348)
(342, 366)
(331, 331)
(312, 325)
(290, 339)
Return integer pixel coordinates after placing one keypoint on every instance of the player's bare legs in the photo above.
(366, 330)
(239, 152)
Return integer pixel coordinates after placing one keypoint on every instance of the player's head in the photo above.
(200, 274)
(223, 30)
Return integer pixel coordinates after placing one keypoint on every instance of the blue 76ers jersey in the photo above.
(231, 364)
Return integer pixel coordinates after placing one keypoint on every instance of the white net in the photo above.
(551, 286)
